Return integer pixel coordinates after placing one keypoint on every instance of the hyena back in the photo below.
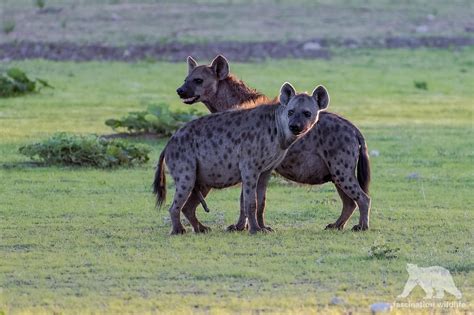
(333, 151)
(223, 149)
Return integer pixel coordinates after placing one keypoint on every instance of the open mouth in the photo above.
(190, 100)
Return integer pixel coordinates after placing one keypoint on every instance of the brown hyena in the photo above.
(334, 150)
(224, 149)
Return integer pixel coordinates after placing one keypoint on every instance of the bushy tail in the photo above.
(159, 184)
(363, 165)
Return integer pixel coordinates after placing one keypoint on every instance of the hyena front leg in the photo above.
(249, 189)
(261, 198)
(189, 210)
(242, 221)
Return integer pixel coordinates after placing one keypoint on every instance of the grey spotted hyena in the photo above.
(333, 151)
(224, 149)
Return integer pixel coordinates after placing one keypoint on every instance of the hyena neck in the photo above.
(232, 93)
(285, 138)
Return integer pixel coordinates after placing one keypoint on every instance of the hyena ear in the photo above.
(220, 67)
(287, 91)
(191, 64)
(321, 95)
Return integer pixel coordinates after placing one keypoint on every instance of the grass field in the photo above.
(87, 240)
(121, 22)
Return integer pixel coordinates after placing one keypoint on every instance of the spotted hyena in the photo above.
(224, 149)
(333, 151)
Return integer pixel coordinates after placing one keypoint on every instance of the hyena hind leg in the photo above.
(347, 182)
(189, 210)
(348, 207)
(184, 188)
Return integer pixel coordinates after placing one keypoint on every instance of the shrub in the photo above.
(156, 119)
(40, 4)
(90, 150)
(8, 26)
(14, 82)
(421, 85)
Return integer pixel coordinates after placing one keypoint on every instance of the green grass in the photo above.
(87, 240)
(104, 21)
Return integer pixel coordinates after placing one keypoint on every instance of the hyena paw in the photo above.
(236, 227)
(334, 226)
(268, 229)
(178, 230)
(360, 227)
(258, 230)
(203, 229)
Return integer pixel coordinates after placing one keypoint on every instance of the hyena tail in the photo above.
(363, 165)
(159, 184)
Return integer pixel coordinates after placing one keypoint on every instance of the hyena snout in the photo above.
(296, 129)
(299, 126)
(187, 95)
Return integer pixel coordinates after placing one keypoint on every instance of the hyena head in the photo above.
(201, 82)
(299, 112)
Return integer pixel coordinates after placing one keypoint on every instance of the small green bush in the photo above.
(421, 85)
(8, 26)
(90, 150)
(40, 4)
(14, 82)
(156, 119)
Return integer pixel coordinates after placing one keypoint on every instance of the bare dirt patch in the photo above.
(238, 51)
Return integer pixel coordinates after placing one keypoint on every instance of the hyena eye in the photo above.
(290, 112)
(198, 81)
(307, 114)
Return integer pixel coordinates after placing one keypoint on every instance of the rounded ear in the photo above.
(191, 64)
(220, 67)
(321, 95)
(287, 91)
